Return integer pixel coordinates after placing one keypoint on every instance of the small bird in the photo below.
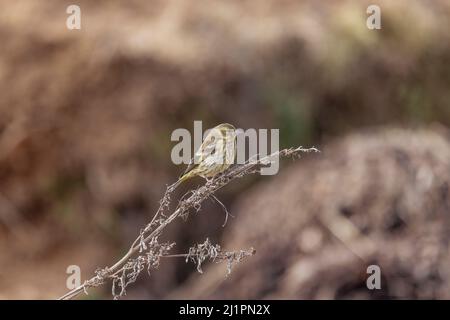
(215, 155)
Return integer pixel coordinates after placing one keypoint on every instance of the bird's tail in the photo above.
(181, 180)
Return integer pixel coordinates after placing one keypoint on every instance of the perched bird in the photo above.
(214, 156)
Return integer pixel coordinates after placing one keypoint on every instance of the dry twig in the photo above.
(146, 251)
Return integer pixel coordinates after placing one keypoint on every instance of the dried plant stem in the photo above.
(126, 269)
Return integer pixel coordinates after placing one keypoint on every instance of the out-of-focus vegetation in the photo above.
(86, 116)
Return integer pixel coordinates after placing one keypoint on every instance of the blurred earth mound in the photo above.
(373, 198)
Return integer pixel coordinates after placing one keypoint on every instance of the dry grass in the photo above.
(146, 251)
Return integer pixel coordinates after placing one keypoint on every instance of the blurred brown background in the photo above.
(86, 118)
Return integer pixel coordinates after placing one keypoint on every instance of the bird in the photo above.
(214, 156)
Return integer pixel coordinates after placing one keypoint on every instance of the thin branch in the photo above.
(126, 269)
(224, 209)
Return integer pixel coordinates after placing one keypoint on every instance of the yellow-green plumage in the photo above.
(215, 154)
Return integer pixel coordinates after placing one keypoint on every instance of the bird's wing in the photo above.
(206, 149)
